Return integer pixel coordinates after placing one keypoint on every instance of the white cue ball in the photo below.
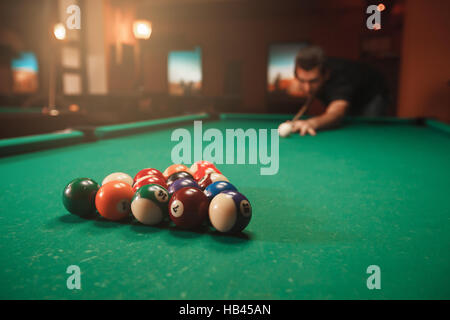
(118, 176)
(285, 129)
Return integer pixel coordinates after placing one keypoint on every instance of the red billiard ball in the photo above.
(149, 180)
(188, 207)
(202, 163)
(203, 170)
(113, 200)
(211, 178)
(148, 172)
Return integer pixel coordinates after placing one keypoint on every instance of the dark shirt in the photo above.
(352, 81)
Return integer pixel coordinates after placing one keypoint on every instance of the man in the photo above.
(345, 87)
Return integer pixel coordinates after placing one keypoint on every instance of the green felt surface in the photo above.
(341, 201)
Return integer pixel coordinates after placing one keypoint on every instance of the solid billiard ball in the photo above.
(79, 196)
(149, 180)
(217, 187)
(179, 175)
(188, 207)
(182, 183)
(204, 170)
(230, 211)
(113, 200)
(285, 129)
(210, 178)
(148, 172)
(175, 168)
(118, 176)
(149, 204)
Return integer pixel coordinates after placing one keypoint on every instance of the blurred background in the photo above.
(67, 64)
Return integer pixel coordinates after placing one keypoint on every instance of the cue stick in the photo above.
(303, 108)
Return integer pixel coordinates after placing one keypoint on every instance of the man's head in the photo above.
(310, 69)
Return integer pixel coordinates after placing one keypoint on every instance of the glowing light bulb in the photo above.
(59, 31)
(142, 29)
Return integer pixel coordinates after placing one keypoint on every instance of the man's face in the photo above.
(310, 81)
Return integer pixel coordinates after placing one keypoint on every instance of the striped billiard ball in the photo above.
(203, 170)
(148, 172)
(230, 211)
(211, 178)
(149, 204)
(149, 180)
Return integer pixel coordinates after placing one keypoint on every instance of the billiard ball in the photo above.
(210, 178)
(230, 211)
(175, 168)
(285, 129)
(217, 187)
(202, 163)
(182, 183)
(149, 204)
(179, 175)
(161, 178)
(113, 200)
(79, 196)
(204, 170)
(118, 176)
(148, 172)
(188, 207)
(149, 180)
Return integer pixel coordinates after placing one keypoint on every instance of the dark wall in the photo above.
(240, 32)
(24, 25)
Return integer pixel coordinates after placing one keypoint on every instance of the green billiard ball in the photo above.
(149, 204)
(79, 196)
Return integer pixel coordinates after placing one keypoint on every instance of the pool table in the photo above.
(374, 192)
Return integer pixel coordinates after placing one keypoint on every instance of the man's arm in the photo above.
(331, 117)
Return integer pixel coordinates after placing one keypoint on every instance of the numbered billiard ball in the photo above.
(113, 200)
(175, 168)
(79, 196)
(203, 170)
(148, 172)
(217, 187)
(188, 207)
(202, 163)
(149, 180)
(230, 211)
(211, 178)
(179, 175)
(182, 183)
(149, 204)
(118, 176)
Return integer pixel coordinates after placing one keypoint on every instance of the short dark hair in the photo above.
(310, 57)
